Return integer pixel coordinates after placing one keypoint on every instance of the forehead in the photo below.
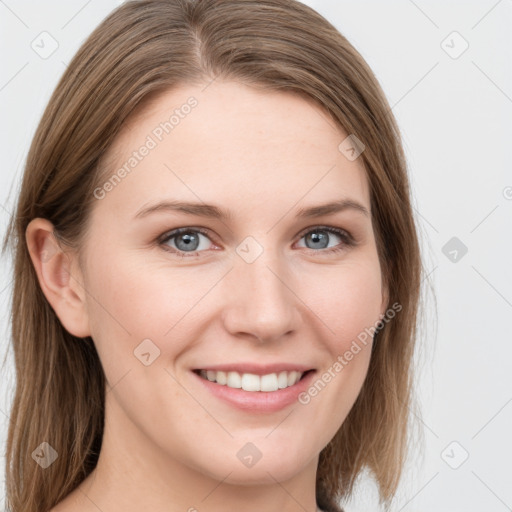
(229, 142)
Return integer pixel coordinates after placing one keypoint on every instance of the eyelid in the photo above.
(168, 235)
(320, 227)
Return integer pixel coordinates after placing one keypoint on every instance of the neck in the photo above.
(134, 474)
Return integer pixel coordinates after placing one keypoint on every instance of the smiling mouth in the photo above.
(252, 382)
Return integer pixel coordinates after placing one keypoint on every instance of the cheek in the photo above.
(347, 299)
(131, 300)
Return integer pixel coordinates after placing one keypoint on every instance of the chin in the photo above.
(266, 470)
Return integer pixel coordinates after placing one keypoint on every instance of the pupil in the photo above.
(187, 241)
(318, 237)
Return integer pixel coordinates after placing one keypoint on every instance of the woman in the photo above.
(217, 270)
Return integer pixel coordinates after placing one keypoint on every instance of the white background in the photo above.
(455, 115)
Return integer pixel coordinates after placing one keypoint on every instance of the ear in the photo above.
(59, 276)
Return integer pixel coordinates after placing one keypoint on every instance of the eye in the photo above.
(320, 237)
(185, 240)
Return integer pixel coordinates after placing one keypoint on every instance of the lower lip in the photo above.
(258, 401)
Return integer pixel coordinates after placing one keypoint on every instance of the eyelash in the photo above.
(347, 239)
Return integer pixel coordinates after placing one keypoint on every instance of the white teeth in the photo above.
(282, 380)
(234, 380)
(269, 382)
(252, 382)
(292, 378)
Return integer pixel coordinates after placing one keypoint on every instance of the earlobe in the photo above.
(59, 277)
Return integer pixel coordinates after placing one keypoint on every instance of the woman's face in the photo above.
(252, 282)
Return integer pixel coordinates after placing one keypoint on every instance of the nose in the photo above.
(259, 299)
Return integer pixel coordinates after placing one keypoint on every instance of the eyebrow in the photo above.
(212, 211)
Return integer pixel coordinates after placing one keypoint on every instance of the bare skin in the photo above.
(170, 444)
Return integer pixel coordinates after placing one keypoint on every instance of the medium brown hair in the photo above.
(142, 49)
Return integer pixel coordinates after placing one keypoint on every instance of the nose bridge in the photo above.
(260, 301)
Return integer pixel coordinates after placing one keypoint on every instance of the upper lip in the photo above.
(257, 369)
